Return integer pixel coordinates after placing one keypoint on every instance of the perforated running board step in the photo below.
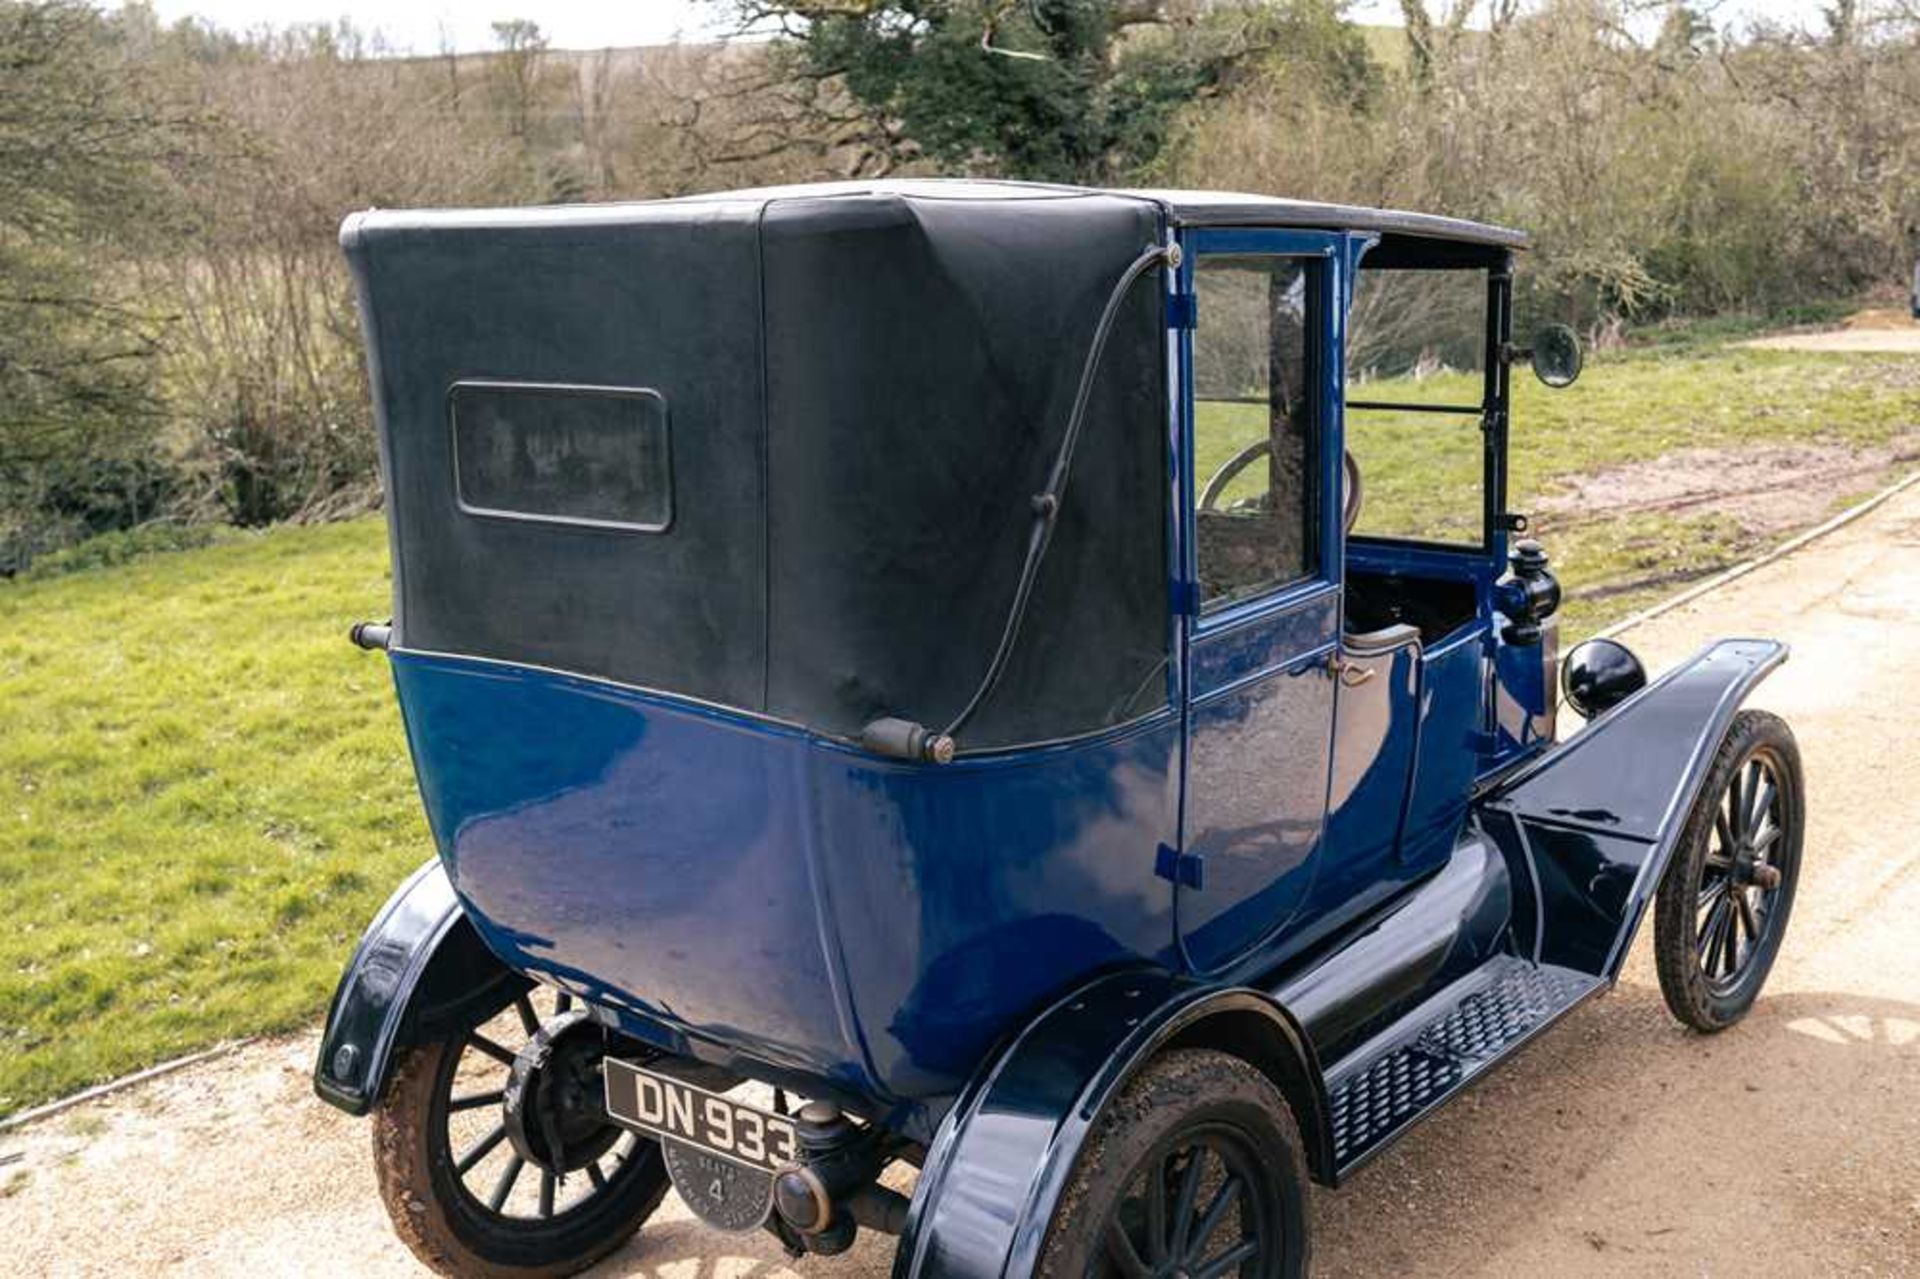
(1380, 1089)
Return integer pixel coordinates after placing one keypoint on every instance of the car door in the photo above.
(1263, 621)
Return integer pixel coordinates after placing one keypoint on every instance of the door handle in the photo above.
(1350, 674)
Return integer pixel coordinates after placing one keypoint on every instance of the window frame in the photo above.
(1492, 410)
(1321, 253)
(581, 389)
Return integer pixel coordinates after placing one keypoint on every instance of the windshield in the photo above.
(1415, 401)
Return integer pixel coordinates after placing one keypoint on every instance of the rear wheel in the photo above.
(1723, 906)
(546, 1189)
(1195, 1172)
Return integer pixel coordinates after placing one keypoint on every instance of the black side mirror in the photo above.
(1555, 356)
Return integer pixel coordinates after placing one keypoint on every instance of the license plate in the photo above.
(662, 1106)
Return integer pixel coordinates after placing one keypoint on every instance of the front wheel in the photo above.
(548, 1188)
(1196, 1171)
(1723, 905)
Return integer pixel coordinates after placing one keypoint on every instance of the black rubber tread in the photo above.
(1682, 982)
(451, 1233)
(1179, 1089)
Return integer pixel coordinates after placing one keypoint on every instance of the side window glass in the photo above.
(1254, 425)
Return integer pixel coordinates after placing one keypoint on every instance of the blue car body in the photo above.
(1329, 857)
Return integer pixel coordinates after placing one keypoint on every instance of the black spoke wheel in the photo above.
(1195, 1172)
(489, 1166)
(1723, 905)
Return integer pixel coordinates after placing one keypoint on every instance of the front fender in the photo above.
(1596, 818)
(1002, 1158)
(419, 969)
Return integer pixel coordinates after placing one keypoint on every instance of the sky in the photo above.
(426, 26)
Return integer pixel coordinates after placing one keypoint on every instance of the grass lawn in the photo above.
(204, 793)
(1651, 403)
(1422, 470)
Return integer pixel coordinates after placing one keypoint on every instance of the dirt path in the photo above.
(1618, 1145)
(1896, 334)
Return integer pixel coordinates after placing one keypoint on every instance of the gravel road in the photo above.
(1619, 1144)
(1897, 335)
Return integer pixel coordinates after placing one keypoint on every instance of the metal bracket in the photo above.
(1188, 870)
(1186, 598)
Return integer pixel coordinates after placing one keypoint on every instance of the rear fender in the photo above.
(1002, 1158)
(1596, 818)
(419, 970)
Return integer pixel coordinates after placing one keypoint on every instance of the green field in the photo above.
(207, 794)
(1422, 471)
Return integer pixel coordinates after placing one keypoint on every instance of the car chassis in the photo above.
(918, 648)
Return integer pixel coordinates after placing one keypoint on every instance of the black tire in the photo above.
(1210, 1137)
(457, 1230)
(1717, 923)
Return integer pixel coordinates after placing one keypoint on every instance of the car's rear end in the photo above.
(681, 495)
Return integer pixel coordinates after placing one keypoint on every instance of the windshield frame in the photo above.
(1492, 410)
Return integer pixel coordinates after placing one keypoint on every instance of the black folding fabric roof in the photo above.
(860, 395)
(777, 449)
(1178, 207)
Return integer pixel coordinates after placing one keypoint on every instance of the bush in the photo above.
(125, 546)
(1681, 175)
(55, 502)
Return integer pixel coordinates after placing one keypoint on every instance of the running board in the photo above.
(1386, 1085)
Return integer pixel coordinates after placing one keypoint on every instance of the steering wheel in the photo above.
(1355, 488)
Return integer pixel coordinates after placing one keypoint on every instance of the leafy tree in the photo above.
(517, 65)
(1065, 90)
(1685, 37)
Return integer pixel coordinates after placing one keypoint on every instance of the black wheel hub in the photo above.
(1749, 869)
(554, 1107)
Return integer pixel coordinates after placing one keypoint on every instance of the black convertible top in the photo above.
(1179, 207)
(778, 449)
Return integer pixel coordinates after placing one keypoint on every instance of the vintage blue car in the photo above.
(1036, 684)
